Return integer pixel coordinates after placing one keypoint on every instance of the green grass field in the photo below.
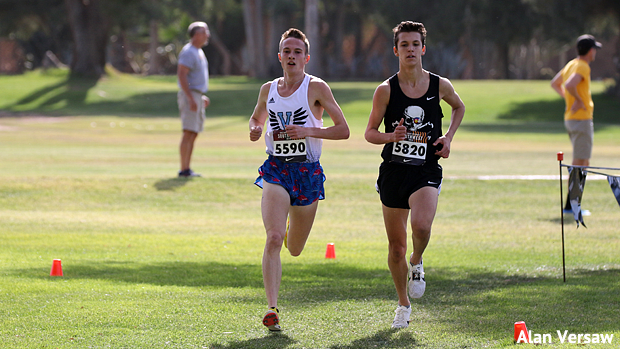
(88, 175)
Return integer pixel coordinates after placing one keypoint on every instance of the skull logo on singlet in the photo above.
(414, 119)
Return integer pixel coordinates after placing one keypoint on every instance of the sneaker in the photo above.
(188, 173)
(416, 280)
(272, 320)
(401, 320)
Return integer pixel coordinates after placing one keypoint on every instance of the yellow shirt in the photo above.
(583, 89)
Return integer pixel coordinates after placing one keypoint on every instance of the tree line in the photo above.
(350, 39)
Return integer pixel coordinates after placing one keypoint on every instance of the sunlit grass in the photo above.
(151, 260)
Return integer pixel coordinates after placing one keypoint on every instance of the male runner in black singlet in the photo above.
(410, 175)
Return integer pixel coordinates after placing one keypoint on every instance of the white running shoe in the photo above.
(416, 281)
(401, 320)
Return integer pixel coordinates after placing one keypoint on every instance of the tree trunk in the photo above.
(226, 56)
(465, 43)
(248, 21)
(259, 36)
(504, 58)
(254, 38)
(616, 61)
(338, 39)
(153, 44)
(313, 33)
(89, 29)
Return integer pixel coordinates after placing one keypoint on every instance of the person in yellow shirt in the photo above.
(573, 84)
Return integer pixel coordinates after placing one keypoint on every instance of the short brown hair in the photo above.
(297, 34)
(407, 27)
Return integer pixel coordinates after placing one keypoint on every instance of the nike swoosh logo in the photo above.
(288, 159)
(406, 160)
(429, 98)
(429, 182)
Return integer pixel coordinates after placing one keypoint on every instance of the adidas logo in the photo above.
(271, 100)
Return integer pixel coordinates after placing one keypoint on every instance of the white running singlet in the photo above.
(291, 110)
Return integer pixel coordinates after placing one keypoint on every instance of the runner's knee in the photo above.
(398, 251)
(274, 240)
(295, 252)
(420, 230)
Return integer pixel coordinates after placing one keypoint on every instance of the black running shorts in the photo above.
(397, 182)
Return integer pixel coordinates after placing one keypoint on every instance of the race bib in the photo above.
(287, 149)
(411, 150)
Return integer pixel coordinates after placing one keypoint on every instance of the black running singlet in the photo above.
(423, 121)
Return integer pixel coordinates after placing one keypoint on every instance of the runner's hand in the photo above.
(295, 131)
(444, 149)
(255, 133)
(400, 131)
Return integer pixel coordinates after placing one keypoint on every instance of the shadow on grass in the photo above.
(548, 117)
(172, 183)
(586, 303)
(236, 101)
(605, 110)
(514, 127)
(391, 338)
(69, 98)
(273, 340)
(468, 301)
(73, 92)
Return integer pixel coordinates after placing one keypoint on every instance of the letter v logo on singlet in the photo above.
(286, 148)
(286, 121)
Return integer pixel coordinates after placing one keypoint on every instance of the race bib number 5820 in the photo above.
(411, 150)
(287, 149)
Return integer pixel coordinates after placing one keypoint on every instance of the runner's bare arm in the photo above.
(321, 99)
(257, 120)
(380, 101)
(448, 94)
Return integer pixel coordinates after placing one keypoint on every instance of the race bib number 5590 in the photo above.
(411, 150)
(287, 149)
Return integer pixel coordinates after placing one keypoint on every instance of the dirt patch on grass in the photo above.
(7, 128)
(28, 118)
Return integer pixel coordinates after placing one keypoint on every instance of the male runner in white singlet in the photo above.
(410, 176)
(291, 177)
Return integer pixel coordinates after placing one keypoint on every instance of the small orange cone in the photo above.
(521, 334)
(331, 251)
(56, 268)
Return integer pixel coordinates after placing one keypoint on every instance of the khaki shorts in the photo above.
(581, 134)
(191, 120)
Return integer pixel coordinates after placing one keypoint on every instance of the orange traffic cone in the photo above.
(56, 268)
(331, 251)
(521, 334)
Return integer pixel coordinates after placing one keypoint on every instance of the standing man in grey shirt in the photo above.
(193, 77)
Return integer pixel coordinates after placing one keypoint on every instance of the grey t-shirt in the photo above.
(194, 58)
